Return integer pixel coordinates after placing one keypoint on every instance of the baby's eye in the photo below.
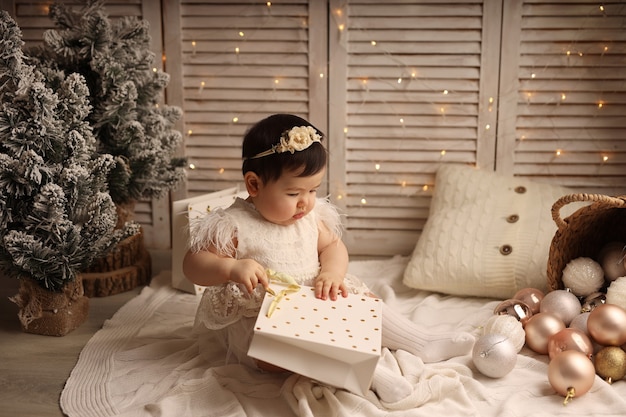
(313, 191)
(292, 194)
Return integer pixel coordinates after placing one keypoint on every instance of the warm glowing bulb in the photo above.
(373, 43)
(442, 110)
(339, 12)
(269, 4)
(487, 126)
(364, 81)
(558, 152)
(193, 43)
(568, 53)
(235, 119)
(221, 171)
(321, 75)
(363, 201)
(601, 8)
(445, 92)
(189, 132)
(606, 48)
(443, 152)
(490, 99)
(377, 167)
(425, 187)
(403, 184)
(413, 74)
(341, 27)
(600, 105)
(400, 80)
(345, 130)
(563, 96)
(191, 166)
(237, 50)
(580, 54)
(401, 120)
(605, 158)
(339, 196)
(276, 81)
(241, 34)
(154, 69)
(533, 75)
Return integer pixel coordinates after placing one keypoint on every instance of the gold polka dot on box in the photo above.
(335, 342)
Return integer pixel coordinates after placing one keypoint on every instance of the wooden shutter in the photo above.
(32, 18)
(413, 85)
(240, 61)
(563, 113)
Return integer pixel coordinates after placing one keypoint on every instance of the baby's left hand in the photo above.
(329, 285)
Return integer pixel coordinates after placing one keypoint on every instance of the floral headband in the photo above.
(297, 138)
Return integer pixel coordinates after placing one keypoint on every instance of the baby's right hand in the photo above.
(249, 273)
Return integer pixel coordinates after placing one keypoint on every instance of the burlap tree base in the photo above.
(51, 313)
(126, 267)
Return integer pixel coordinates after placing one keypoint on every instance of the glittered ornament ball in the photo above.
(569, 339)
(571, 374)
(539, 328)
(494, 355)
(607, 325)
(563, 304)
(506, 326)
(616, 293)
(610, 363)
(611, 259)
(583, 276)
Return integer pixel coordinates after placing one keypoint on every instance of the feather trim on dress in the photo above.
(216, 229)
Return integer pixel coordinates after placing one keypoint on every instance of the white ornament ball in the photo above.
(494, 355)
(583, 276)
(616, 293)
(507, 326)
(563, 304)
(612, 259)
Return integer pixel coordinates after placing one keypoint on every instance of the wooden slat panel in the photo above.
(239, 62)
(412, 85)
(571, 100)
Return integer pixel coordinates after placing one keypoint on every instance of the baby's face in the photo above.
(288, 199)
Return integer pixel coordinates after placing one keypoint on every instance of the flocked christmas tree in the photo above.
(56, 214)
(125, 89)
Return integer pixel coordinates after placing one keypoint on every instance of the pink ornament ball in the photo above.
(569, 339)
(539, 328)
(571, 374)
(562, 303)
(607, 325)
(531, 297)
(580, 322)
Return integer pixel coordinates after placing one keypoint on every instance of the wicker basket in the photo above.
(585, 232)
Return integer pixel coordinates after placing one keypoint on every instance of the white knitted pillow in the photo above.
(487, 235)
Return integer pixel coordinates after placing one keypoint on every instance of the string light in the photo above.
(201, 87)
(363, 201)
(189, 132)
(605, 158)
(191, 166)
(377, 167)
(221, 170)
(193, 48)
(558, 152)
(235, 119)
(241, 34)
(373, 43)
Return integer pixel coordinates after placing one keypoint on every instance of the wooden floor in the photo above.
(33, 368)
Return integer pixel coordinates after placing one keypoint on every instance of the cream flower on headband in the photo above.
(297, 138)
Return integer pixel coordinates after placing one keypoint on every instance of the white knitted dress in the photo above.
(228, 309)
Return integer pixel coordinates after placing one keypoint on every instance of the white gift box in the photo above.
(337, 342)
(182, 212)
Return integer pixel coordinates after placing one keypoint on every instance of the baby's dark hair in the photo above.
(265, 134)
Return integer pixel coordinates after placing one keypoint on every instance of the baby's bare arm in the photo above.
(333, 257)
(207, 268)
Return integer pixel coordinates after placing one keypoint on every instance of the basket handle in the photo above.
(572, 198)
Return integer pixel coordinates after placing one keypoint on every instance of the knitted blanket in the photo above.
(146, 362)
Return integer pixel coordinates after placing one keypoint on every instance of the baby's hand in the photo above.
(249, 273)
(329, 285)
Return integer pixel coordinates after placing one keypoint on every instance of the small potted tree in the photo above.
(127, 119)
(56, 214)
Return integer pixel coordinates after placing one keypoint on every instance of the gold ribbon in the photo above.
(278, 277)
